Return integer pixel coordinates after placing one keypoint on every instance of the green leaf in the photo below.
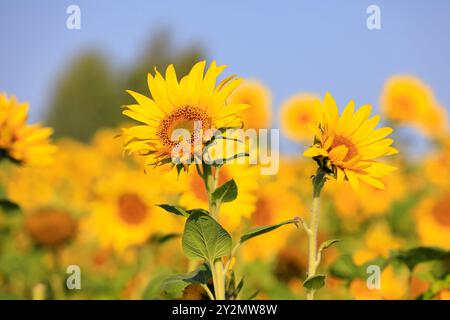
(174, 209)
(414, 256)
(344, 268)
(163, 238)
(204, 238)
(226, 192)
(233, 290)
(9, 207)
(175, 284)
(328, 243)
(315, 282)
(264, 229)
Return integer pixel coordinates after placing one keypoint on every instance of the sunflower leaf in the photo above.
(264, 229)
(226, 192)
(315, 282)
(174, 285)
(328, 243)
(414, 256)
(204, 238)
(179, 211)
(9, 207)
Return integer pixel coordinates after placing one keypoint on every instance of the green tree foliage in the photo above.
(90, 91)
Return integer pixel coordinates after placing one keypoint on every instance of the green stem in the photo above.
(318, 182)
(219, 287)
(211, 180)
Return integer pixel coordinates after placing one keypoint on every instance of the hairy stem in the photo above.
(318, 182)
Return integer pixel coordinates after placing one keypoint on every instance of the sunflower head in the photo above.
(347, 147)
(193, 106)
(50, 227)
(258, 97)
(22, 143)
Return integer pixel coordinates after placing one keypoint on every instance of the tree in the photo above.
(89, 93)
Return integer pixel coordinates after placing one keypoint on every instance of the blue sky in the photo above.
(291, 46)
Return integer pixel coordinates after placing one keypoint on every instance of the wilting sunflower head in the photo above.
(22, 143)
(50, 227)
(347, 147)
(195, 104)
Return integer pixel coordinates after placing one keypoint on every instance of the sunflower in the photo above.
(123, 214)
(298, 113)
(194, 104)
(25, 144)
(432, 216)
(378, 242)
(258, 97)
(347, 147)
(50, 227)
(406, 99)
(194, 193)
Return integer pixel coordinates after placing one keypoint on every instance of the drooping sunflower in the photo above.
(23, 143)
(347, 147)
(298, 113)
(195, 99)
(258, 97)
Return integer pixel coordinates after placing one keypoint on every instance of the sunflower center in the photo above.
(404, 103)
(343, 141)
(441, 211)
(183, 118)
(131, 208)
(304, 118)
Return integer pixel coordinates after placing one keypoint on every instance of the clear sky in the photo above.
(291, 46)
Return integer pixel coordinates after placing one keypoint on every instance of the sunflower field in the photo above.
(121, 219)
(188, 195)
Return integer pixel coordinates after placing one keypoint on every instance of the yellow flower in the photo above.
(298, 114)
(347, 147)
(432, 216)
(194, 195)
(50, 227)
(180, 105)
(258, 97)
(26, 144)
(378, 242)
(408, 100)
(125, 214)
